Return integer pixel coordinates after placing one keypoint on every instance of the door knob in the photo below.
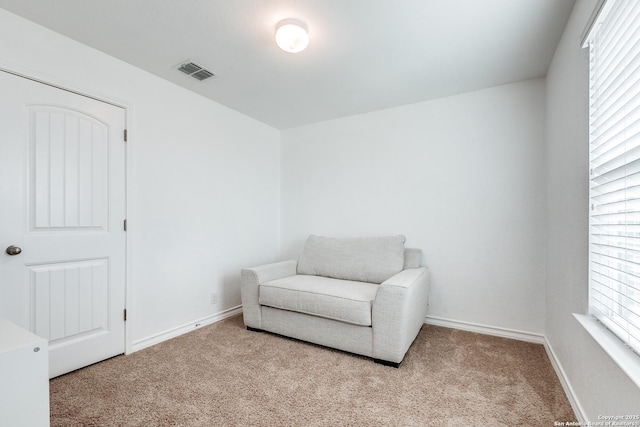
(13, 250)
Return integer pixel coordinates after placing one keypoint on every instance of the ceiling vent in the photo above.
(195, 71)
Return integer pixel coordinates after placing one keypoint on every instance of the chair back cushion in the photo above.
(412, 258)
(364, 259)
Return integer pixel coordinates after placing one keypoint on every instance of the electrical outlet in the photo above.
(214, 298)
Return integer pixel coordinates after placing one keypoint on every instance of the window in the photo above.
(614, 225)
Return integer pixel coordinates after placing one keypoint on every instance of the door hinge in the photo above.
(125, 225)
(125, 135)
(125, 314)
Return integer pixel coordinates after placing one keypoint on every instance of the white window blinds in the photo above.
(614, 237)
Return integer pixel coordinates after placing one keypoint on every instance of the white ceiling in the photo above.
(364, 55)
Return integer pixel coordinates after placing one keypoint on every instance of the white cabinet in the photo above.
(24, 377)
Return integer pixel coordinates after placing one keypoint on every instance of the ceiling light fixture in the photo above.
(292, 36)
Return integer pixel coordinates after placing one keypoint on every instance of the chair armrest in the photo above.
(250, 281)
(399, 312)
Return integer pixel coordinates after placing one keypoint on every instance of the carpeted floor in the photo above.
(224, 375)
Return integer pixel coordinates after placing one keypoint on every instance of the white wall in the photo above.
(205, 179)
(600, 387)
(460, 177)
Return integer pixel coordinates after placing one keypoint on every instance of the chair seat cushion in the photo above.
(336, 299)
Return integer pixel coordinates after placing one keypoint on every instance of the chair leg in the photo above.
(387, 363)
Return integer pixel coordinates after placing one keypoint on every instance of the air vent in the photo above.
(195, 71)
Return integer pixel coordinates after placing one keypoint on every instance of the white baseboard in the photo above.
(174, 332)
(566, 385)
(485, 329)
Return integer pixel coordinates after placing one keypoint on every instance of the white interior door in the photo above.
(62, 202)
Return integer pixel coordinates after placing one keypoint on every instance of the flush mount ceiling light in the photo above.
(292, 36)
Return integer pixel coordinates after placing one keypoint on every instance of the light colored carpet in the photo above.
(224, 375)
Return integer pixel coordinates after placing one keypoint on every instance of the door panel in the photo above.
(69, 156)
(69, 300)
(62, 192)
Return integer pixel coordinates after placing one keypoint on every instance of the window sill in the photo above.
(624, 357)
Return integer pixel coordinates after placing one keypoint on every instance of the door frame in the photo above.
(68, 86)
